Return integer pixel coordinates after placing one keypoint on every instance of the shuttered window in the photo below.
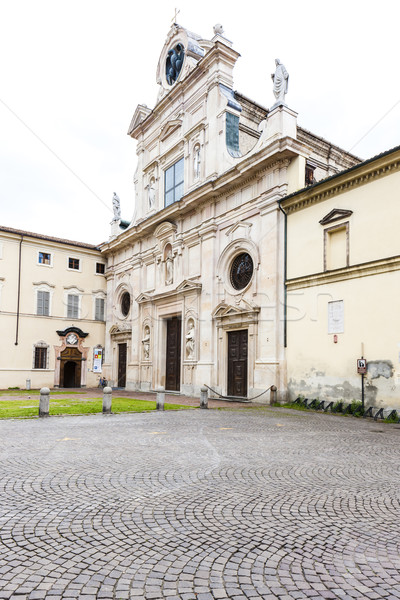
(99, 309)
(40, 358)
(43, 303)
(73, 306)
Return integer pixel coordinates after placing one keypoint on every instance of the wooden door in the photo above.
(237, 363)
(173, 355)
(121, 365)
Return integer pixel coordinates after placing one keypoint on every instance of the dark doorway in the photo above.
(237, 363)
(71, 368)
(173, 355)
(121, 365)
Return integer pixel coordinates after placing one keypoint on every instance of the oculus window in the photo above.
(241, 271)
(125, 303)
(173, 183)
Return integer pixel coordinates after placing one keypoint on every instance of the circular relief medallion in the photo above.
(241, 271)
(174, 62)
(125, 303)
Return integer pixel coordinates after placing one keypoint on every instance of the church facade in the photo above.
(196, 282)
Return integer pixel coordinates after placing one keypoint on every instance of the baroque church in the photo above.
(196, 281)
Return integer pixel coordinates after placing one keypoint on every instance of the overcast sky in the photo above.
(72, 74)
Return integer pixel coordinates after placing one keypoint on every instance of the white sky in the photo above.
(72, 74)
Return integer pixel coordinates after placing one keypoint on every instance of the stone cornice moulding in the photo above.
(342, 182)
(37, 283)
(375, 267)
(184, 288)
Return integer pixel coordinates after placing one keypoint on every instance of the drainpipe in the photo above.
(19, 289)
(284, 280)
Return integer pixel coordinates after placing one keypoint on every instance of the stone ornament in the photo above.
(218, 29)
(116, 204)
(281, 82)
(196, 162)
(152, 193)
(169, 266)
(174, 62)
(146, 342)
(190, 340)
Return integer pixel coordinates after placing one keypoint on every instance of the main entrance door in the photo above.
(121, 365)
(237, 363)
(71, 368)
(173, 355)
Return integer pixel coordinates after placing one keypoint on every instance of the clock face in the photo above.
(72, 338)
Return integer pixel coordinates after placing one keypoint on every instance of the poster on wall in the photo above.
(97, 360)
(336, 317)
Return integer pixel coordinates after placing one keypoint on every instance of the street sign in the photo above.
(361, 366)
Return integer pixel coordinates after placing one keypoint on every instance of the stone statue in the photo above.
(116, 203)
(196, 162)
(152, 194)
(190, 340)
(218, 29)
(281, 82)
(146, 342)
(169, 268)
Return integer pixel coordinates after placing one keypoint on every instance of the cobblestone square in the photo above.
(207, 505)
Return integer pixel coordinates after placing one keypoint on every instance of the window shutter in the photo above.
(73, 306)
(99, 309)
(43, 303)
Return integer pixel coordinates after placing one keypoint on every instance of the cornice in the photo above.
(342, 182)
(367, 269)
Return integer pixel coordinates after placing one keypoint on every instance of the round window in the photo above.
(241, 271)
(125, 303)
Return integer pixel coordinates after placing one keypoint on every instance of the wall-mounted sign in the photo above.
(336, 316)
(361, 366)
(97, 360)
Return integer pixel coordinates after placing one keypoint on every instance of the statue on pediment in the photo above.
(281, 82)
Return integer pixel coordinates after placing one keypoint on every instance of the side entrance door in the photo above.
(237, 363)
(121, 365)
(173, 355)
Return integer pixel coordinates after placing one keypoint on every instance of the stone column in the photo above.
(160, 398)
(203, 397)
(107, 397)
(44, 402)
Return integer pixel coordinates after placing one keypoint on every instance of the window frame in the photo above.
(103, 312)
(73, 315)
(175, 185)
(40, 356)
(72, 268)
(100, 264)
(45, 264)
(331, 230)
(43, 314)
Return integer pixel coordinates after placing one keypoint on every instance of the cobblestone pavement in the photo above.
(240, 504)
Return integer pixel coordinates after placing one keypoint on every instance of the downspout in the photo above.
(284, 279)
(19, 289)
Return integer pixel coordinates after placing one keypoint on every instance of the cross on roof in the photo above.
(176, 14)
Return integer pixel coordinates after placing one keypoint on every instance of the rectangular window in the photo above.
(40, 358)
(73, 306)
(73, 263)
(44, 258)
(99, 309)
(43, 303)
(100, 268)
(173, 183)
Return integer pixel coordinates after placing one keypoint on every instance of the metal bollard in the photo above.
(203, 397)
(107, 397)
(272, 395)
(44, 402)
(160, 398)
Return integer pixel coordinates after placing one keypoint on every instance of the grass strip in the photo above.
(71, 406)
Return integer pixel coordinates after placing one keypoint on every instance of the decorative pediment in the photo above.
(241, 227)
(224, 310)
(335, 215)
(79, 332)
(188, 286)
(143, 298)
(169, 128)
(141, 113)
(123, 328)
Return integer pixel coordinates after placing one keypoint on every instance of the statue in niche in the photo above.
(152, 193)
(116, 204)
(190, 341)
(146, 342)
(281, 82)
(169, 267)
(196, 162)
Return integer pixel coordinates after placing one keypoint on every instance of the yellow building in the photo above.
(52, 310)
(343, 284)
